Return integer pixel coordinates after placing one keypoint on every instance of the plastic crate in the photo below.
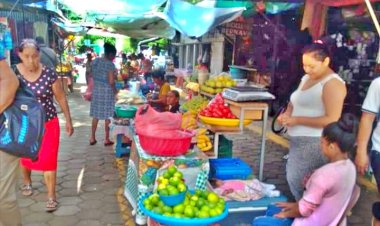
(224, 147)
(229, 168)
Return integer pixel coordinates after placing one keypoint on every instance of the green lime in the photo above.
(182, 187)
(172, 169)
(189, 212)
(203, 214)
(174, 181)
(178, 174)
(166, 175)
(163, 192)
(212, 197)
(213, 213)
(157, 210)
(167, 209)
(179, 208)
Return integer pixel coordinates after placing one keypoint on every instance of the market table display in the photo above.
(143, 169)
(247, 111)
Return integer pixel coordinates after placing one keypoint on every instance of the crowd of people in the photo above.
(319, 171)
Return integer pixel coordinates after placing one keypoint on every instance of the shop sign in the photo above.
(236, 28)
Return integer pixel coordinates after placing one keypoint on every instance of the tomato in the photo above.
(208, 114)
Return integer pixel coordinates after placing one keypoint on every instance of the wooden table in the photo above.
(257, 111)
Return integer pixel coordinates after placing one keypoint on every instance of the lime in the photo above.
(212, 197)
(167, 209)
(173, 191)
(189, 212)
(174, 181)
(172, 169)
(168, 214)
(179, 208)
(166, 175)
(148, 206)
(155, 199)
(161, 203)
(163, 192)
(157, 210)
(194, 198)
(218, 211)
(205, 208)
(203, 214)
(193, 203)
(165, 181)
(211, 205)
(201, 202)
(221, 201)
(213, 212)
(160, 178)
(161, 186)
(182, 187)
(177, 215)
(178, 174)
(186, 201)
(146, 202)
(205, 194)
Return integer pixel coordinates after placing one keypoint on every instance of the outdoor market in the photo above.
(190, 112)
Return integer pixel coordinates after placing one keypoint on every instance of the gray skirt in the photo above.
(305, 156)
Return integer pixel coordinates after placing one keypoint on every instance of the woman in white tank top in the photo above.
(317, 102)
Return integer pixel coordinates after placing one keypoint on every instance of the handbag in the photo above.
(22, 125)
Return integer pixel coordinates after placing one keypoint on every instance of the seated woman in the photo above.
(329, 188)
(158, 99)
(172, 99)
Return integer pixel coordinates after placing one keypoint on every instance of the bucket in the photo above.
(237, 73)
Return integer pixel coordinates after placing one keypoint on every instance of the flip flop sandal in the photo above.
(109, 143)
(51, 205)
(27, 190)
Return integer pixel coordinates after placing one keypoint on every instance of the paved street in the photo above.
(90, 179)
(89, 183)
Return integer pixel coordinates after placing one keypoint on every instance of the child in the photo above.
(243, 190)
(172, 101)
(329, 189)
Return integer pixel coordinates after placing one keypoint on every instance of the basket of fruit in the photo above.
(218, 113)
(193, 208)
(185, 214)
(171, 187)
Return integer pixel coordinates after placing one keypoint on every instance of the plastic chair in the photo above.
(353, 200)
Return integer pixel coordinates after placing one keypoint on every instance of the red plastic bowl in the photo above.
(166, 146)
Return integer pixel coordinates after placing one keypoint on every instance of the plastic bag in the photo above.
(149, 122)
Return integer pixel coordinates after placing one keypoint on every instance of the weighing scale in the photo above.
(247, 93)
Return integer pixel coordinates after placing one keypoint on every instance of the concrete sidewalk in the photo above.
(89, 183)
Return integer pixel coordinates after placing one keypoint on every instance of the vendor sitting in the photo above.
(172, 100)
(158, 99)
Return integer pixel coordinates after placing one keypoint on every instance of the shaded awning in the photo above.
(194, 20)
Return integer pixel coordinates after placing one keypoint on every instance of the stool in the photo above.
(120, 148)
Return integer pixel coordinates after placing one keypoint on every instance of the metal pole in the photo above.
(23, 18)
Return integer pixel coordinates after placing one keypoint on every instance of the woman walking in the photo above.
(45, 84)
(104, 91)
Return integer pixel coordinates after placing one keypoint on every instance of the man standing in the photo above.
(48, 56)
(9, 165)
(370, 110)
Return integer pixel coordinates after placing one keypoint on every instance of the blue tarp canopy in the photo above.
(152, 18)
(158, 18)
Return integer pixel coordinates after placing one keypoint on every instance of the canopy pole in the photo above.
(377, 26)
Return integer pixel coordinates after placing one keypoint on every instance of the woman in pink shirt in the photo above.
(329, 189)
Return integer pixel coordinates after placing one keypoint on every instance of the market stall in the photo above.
(143, 168)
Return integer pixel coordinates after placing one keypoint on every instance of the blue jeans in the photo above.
(375, 165)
